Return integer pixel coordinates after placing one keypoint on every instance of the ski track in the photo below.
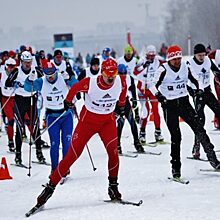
(145, 177)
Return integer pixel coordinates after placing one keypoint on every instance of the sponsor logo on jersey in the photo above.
(177, 78)
(106, 96)
(203, 70)
(54, 89)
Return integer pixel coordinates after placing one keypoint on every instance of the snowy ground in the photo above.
(144, 177)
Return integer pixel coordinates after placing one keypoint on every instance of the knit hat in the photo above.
(128, 50)
(199, 48)
(173, 52)
(58, 52)
(151, 50)
(94, 61)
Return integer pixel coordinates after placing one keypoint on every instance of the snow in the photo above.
(144, 177)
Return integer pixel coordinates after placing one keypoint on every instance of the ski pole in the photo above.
(87, 147)
(47, 128)
(31, 129)
(146, 100)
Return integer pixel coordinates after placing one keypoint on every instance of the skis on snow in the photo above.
(35, 209)
(210, 170)
(146, 152)
(41, 163)
(178, 180)
(124, 202)
(128, 155)
(198, 159)
(21, 165)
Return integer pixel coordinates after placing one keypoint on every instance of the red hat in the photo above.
(49, 68)
(109, 68)
(173, 52)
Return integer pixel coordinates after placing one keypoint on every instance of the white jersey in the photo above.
(101, 101)
(6, 91)
(200, 72)
(173, 85)
(20, 79)
(89, 74)
(148, 75)
(217, 58)
(129, 65)
(54, 94)
(61, 67)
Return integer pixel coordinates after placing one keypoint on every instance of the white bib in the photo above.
(6, 91)
(102, 101)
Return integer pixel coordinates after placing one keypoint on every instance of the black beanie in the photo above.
(94, 61)
(58, 52)
(199, 48)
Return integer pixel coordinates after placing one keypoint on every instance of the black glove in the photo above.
(78, 96)
(134, 104)
(199, 94)
(162, 99)
(147, 63)
(68, 105)
(119, 110)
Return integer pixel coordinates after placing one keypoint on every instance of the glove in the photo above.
(199, 95)
(162, 99)
(78, 96)
(32, 76)
(119, 110)
(65, 75)
(17, 84)
(147, 63)
(134, 104)
(68, 105)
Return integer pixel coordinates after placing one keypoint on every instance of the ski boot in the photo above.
(119, 150)
(46, 194)
(196, 151)
(40, 156)
(176, 166)
(44, 144)
(18, 160)
(11, 146)
(176, 173)
(142, 137)
(213, 160)
(158, 136)
(138, 146)
(113, 192)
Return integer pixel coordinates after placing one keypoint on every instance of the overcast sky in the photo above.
(81, 14)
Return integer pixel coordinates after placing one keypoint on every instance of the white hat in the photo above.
(151, 49)
(10, 61)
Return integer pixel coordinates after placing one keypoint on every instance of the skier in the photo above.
(8, 94)
(53, 87)
(130, 61)
(170, 88)
(215, 55)
(97, 116)
(128, 114)
(145, 71)
(200, 66)
(23, 100)
(93, 71)
(105, 55)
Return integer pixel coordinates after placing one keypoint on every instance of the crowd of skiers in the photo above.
(113, 90)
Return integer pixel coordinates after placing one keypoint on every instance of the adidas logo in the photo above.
(151, 68)
(54, 89)
(177, 78)
(106, 96)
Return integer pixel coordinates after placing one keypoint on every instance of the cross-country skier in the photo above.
(145, 71)
(128, 114)
(170, 88)
(8, 94)
(201, 66)
(54, 88)
(97, 116)
(23, 100)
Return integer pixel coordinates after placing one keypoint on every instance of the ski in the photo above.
(179, 180)
(146, 152)
(149, 144)
(210, 170)
(10, 152)
(125, 202)
(41, 163)
(159, 142)
(32, 211)
(128, 155)
(198, 159)
(19, 165)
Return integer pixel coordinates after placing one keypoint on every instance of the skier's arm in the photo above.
(122, 97)
(215, 69)
(132, 89)
(82, 75)
(193, 80)
(81, 86)
(11, 78)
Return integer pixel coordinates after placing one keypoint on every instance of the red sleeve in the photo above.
(122, 98)
(81, 86)
(211, 55)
